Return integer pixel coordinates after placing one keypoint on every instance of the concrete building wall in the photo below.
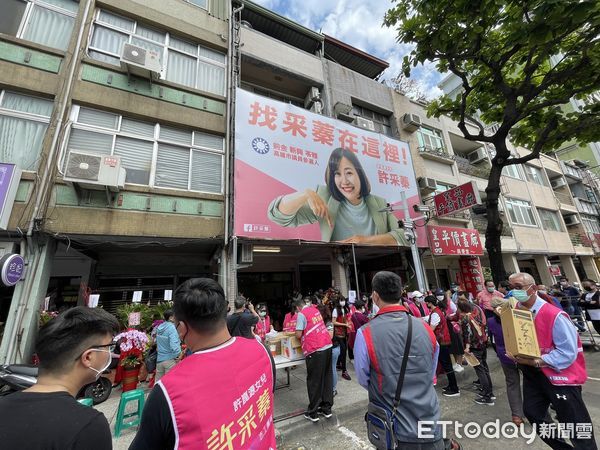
(176, 15)
(349, 87)
(281, 55)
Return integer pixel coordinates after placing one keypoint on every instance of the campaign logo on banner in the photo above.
(301, 175)
(454, 241)
(456, 199)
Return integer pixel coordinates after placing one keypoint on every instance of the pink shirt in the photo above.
(484, 298)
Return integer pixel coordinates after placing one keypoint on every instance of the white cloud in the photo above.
(359, 24)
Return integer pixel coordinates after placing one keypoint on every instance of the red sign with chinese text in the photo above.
(454, 241)
(457, 199)
(555, 271)
(471, 274)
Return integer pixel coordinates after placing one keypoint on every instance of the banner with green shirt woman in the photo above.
(299, 175)
(344, 207)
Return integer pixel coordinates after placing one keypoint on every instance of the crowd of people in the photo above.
(399, 343)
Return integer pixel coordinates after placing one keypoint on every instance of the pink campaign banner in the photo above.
(303, 176)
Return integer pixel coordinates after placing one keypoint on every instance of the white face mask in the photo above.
(342, 303)
(262, 314)
(439, 297)
(101, 371)
(542, 291)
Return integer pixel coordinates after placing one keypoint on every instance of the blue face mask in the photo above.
(520, 295)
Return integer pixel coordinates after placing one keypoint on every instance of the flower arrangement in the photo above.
(132, 340)
(47, 316)
(132, 343)
(132, 361)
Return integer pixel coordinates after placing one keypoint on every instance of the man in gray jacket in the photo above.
(378, 352)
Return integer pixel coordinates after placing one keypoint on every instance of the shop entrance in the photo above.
(315, 277)
(272, 288)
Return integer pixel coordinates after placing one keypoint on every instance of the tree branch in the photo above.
(539, 143)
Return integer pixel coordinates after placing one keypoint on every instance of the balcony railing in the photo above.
(461, 215)
(464, 166)
(586, 207)
(439, 153)
(565, 199)
(480, 224)
(580, 239)
(571, 171)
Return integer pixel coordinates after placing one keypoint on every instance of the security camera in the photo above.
(421, 208)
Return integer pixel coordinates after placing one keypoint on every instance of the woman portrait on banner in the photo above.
(345, 209)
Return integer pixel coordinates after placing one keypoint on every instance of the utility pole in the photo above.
(411, 235)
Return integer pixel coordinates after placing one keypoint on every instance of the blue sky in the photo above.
(359, 24)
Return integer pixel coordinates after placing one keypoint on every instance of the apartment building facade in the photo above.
(116, 112)
(149, 87)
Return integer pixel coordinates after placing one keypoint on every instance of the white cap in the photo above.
(414, 294)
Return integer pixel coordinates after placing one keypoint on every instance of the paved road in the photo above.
(346, 429)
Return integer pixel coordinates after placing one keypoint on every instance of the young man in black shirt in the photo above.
(242, 320)
(74, 349)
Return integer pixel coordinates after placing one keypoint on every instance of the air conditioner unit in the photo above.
(572, 220)
(94, 171)
(343, 112)
(477, 156)
(140, 61)
(312, 101)
(411, 122)
(365, 123)
(429, 184)
(246, 254)
(558, 183)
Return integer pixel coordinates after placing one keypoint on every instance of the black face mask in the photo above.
(587, 288)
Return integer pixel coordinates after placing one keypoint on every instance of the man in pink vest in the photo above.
(316, 346)
(555, 378)
(219, 397)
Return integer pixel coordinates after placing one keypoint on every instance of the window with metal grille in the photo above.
(153, 154)
(45, 22)
(183, 62)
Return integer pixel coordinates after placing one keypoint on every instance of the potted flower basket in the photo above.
(132, 343)
(131, 371)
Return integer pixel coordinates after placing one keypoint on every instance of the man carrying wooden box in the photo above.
(555, 378)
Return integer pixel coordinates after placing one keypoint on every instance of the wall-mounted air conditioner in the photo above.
(477, 156)
(312, 101)
(246, 254)
(572, 220)
(141, 62)
(343, 112)
(365, 123)
(427, 184)
(558, 183)
(94, 171)
(411, 122)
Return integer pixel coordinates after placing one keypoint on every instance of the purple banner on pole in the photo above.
(10, 175)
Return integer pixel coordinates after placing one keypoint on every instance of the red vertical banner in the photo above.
(471, 274)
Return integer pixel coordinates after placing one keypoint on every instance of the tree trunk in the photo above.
(493, 232)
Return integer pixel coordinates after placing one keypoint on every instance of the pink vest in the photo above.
(289, 322)
(209, 411)
(576, 373)
(315, 335)
(415, 311)
(263, 327)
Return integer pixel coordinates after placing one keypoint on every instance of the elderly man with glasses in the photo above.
(555, 378)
